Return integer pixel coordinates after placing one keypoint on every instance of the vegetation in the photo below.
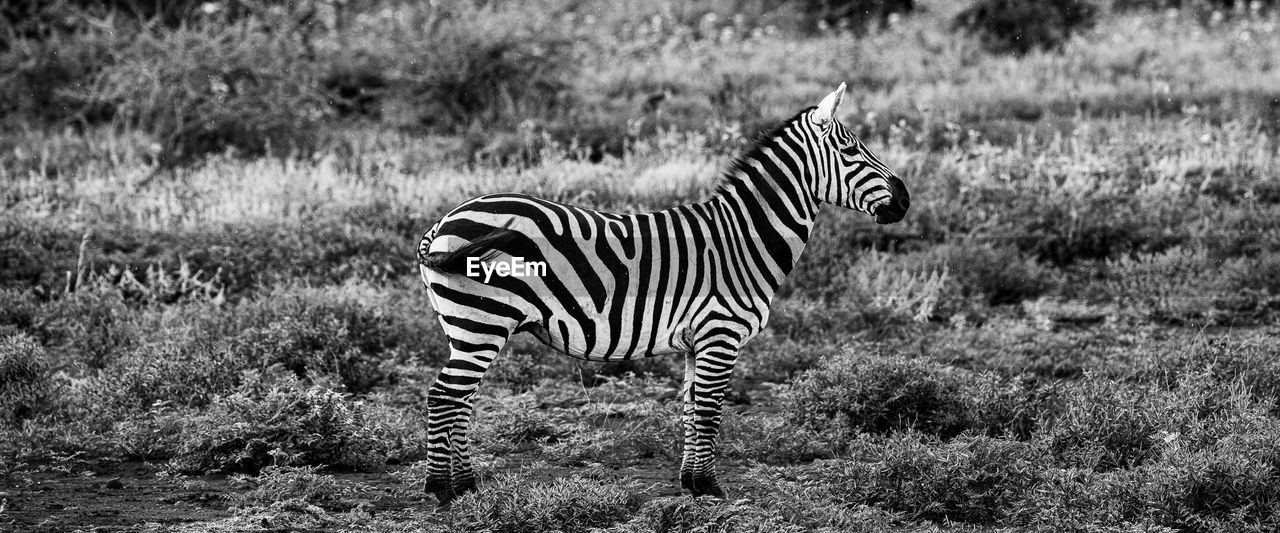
(210, 208)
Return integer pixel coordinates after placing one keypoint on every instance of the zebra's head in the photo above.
(847, 173)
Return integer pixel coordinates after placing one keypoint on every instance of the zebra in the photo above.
(694, 279)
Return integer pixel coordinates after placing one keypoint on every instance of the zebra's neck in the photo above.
(764, 206)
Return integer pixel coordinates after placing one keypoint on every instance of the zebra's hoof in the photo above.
(702, 486)
(442, 490)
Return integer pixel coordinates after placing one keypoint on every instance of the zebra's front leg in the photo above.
(707, 373)
(449, 409)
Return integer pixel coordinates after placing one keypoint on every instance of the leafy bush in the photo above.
(341, 334)
(452, 66)
(969, 479)
(513, 504)
(1191, 4)
(203, 88)
(690, 515)
(1103, 424)
(91, 325)
(26, 383)
(44, 78)
(283, 483)
(1177, 285)
(999, 274)
(181, 371)
(1022, 25)
(1068, 499)
(1251, 361)
(1230, 485)
(285, 426)
(18, 312)
(879, 394)
(774, 438)
(877, 282)
(858, 13)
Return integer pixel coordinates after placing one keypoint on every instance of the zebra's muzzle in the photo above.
(896, 207)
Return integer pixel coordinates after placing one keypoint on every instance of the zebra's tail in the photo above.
(455, 261)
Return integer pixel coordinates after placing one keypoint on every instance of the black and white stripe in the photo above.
(695, 279)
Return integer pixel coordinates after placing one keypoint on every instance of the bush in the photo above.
(1103, 424)
(204, 88)
(285, 426)
(1230, 485)
(774, 438)
(513, 504)
(1023, 25)
(970, 479)
(880, 394)
(180, 371)
(26, 383)
(998, 274)
(91, 325)
(453, 66)
(44, 79)
(858, 13)
(1178, 285)
(304, 483)
(340, 334)
(703, 515)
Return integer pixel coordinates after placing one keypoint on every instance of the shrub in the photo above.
(285, 426)
(304, 483)
(858, 13)
(452, 66)
(514, 423)
(880, 283)
(92, 325)
(18, 312)
(204, 88)
(969, 479)
(315, 348)
(1067, 499)
(43, 77)
(344, 334)
(1022, 25)
(998, 274)
(703, 515)
(774, 438)
(1103, 424)
(513, 504)
(180, 371)
(1230, 485)
(1177, 285)
(26, 384)
(879, 394)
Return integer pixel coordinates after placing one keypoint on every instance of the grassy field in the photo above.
(210, 317)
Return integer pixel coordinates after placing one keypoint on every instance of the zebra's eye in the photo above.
(850, 151)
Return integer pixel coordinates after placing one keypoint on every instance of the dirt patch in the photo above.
(106, 496)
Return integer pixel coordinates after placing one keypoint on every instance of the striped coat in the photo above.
(695, 279)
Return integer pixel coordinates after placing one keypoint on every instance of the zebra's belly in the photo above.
(593, 342)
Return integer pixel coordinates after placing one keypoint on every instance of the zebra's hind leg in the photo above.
(707, 373)
(473, 347)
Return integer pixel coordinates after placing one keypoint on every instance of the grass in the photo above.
(1072, 329)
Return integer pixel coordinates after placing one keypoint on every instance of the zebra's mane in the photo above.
(763, 141)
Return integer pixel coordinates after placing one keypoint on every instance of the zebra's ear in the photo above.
(826, 110)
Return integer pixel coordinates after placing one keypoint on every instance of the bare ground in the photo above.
(103, 496)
